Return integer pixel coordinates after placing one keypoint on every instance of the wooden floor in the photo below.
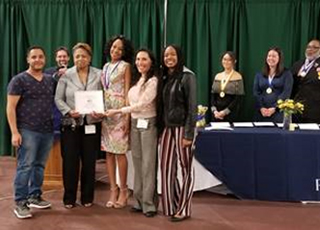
(209, 211)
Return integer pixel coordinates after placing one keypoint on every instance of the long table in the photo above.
(263, 163)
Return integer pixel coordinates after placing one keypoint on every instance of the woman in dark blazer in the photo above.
(273, 83)
(80, 134)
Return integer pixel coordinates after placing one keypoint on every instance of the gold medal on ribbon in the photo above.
(269, 90)
(224, 83)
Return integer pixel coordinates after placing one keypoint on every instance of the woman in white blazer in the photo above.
(80, 134)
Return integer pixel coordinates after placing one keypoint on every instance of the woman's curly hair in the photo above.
(128, 50)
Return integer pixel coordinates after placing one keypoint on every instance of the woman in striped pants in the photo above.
(179, 116)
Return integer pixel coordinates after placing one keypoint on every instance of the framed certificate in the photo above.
(87, 102)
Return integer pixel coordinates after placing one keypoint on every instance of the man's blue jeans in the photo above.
(31, 159)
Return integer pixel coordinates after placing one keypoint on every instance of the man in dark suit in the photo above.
(62, 58)
(306, 88)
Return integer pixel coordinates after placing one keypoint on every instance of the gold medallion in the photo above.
(269, 90)
(222, 94)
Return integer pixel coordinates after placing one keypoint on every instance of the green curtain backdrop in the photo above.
(52, 23)
(207, 28)
(204, 29)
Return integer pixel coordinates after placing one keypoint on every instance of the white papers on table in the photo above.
(280, 125)
(308, 126)
(87, 102)
(219, 126)
(242, 124)
(263, 124)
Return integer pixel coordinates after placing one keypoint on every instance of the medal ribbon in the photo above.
(225, 81)
(307, 66)
(108, 75)
(270, 79)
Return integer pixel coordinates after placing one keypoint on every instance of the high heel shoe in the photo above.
(123, 198)
(113, 197)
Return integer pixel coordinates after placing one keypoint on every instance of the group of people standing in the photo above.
(274, 82)
(150, 113)
(144, 110)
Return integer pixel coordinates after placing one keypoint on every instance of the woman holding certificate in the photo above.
(80, 134)
(273, 83)
(227, 89)
(142, 106)
(116, 77)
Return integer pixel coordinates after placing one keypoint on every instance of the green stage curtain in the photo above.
(207, 28)
(52, 23)
(204, 29)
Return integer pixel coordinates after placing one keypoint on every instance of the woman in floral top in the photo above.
(116, 79)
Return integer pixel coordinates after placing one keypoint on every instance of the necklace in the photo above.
(224, 82)
(108, 73)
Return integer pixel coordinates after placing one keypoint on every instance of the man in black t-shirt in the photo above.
(29, 112)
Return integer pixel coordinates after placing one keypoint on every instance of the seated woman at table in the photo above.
(227, 89)
(273, 83)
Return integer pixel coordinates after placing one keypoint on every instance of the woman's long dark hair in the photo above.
(153, 71)
(280, 67)
(128, 50)
(179, 67)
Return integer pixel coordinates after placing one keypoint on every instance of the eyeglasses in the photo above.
(313, 47)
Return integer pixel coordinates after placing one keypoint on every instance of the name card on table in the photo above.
(308, 126)
(219, 126)
(263, 124)
(280, 125)
(242, 124)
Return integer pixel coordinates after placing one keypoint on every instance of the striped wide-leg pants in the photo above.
(176, 195)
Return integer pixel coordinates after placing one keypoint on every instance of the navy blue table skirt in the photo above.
(263, 163)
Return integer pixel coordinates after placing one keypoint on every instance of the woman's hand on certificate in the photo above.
(97, 115)
(112, 112)
(74, 114)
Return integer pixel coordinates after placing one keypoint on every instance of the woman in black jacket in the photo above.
(179, 115)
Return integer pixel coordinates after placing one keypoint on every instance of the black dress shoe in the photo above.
(134, 209)
(150, 214)
(178, 218)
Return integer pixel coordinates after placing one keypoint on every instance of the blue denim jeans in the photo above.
(31, 159)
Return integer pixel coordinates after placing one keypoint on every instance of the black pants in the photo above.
(79, 151)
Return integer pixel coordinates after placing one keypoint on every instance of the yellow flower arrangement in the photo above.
(201, 119)
(289, 106)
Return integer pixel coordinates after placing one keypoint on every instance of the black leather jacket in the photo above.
(179, 102)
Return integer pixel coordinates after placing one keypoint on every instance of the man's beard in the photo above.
(313, 56)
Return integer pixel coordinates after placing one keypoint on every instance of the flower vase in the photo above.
(287, 121)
